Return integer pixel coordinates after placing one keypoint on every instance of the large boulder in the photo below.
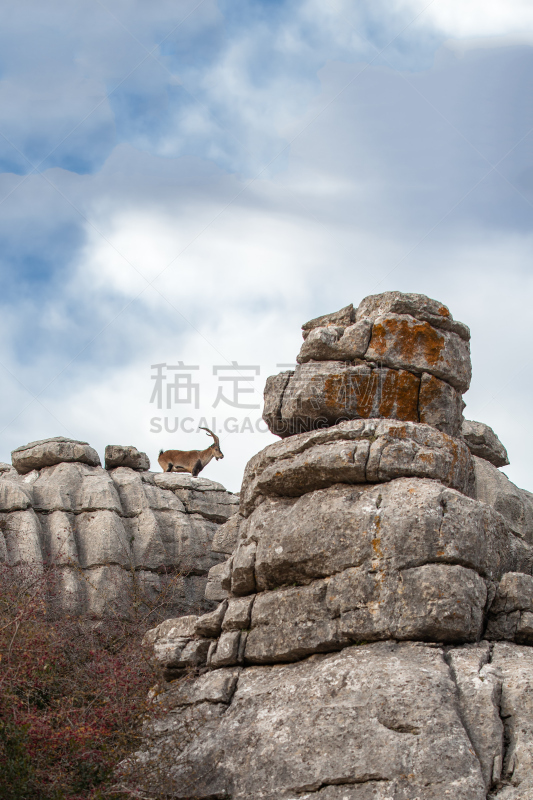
(374, 721)
(370, 451)
(516, 505)
(484, 443)
(47, 452)
(398, 356)
(117, 455)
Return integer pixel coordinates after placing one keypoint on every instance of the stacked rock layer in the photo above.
(115, 539)
(376, 609)
(400, 356)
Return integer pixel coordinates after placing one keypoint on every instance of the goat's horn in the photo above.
(215, 437)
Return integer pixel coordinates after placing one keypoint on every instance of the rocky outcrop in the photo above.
(110, 540)
(484, 443)
(376, 607)
(398, 356)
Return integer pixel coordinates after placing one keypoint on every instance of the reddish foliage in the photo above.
(72, 695)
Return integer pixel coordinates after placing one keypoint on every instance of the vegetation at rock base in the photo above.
(72, 694)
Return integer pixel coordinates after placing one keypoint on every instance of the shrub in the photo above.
(72, 694)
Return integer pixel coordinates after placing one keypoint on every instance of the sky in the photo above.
(183, 184)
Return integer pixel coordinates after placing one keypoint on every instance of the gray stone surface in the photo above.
(210, 624)
(479, 686)
(324, 393)
(321, 394)
(405, 523)
(336, 344)
(216, 575)
(372, 721)
(226, 652)
(238, 614)
(416, 305)
(516, 505)
(47, 452)
(484, 443)
(516, 665)
(356, 452)
(511, 612)
(434, 602)
(117, 539)
(342, 318)
(403, 342)
(377, 596)
(227, 535)
(440, 405)
(118, 455)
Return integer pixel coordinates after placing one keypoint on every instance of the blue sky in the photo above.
(190, 181)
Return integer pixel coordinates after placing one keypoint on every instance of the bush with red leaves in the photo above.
(72, 695)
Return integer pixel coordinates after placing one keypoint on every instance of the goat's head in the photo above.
(216, 443)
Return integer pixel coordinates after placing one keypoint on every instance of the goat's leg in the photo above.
(198, 467)
(170, 465)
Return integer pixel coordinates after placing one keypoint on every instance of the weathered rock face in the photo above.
(411, 364)
(117, 538)
(371, 639)
(484, 443)
(47, 452)
(356, 452)
(118, 456)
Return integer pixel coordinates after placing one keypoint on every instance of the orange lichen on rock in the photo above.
(399, 395)
(440, 405)
(403, 342)
(407, 340)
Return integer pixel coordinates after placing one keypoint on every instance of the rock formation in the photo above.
(373, 636)
(117, 538)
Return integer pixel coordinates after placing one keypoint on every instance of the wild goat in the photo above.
(192, 461)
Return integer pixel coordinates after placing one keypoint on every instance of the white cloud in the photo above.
(473, 17)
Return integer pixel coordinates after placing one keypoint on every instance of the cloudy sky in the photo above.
(190, 180)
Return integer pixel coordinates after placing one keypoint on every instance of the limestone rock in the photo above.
(403, 342)
(356, 452)
(434, 602)
(440, 405)
(415, 305)
(22, 538)
(336, 344)
(226, 652)
(177, 480)
(226, 536)
(117, 455)
(215, 578)
(324, 393)
(47, 452)
(522, 792)
(321, 394)
(484, 443)
(211, 687)
(177, 627)
(373, 721)
(13, 496)
(210, 624)
(402, 524)
(479, 685)
(516, 665)
(275, 387)
(111, 539)
(214, 505)
(238, 613)
(516, 505)
(511, 612)
(342, 318)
